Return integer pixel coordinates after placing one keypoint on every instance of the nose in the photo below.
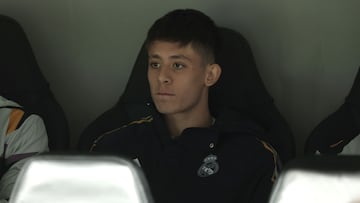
(164, 75)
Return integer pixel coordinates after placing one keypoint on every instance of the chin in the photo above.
(165, 109)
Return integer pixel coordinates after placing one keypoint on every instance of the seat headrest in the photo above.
(18, 62)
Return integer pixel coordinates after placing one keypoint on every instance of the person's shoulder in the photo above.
(15, 117)
(248, 142)
(16, 114)
(32, 120)
(130, 132)
(135, 124)
(132, 127)
(139, 122)
(249, 145)
(258, 152)
(252, 151)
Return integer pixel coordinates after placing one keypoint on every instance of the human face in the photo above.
(177, 77)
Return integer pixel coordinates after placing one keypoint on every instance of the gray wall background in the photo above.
(307, 51)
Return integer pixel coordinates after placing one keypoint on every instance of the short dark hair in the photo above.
(186, 26)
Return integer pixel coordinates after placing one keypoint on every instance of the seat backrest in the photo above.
(22, 81)
(80, 179)
(330, 179)
(240, 87)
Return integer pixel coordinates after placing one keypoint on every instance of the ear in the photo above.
(213, 72)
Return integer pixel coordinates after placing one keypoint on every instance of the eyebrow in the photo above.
(180, 56)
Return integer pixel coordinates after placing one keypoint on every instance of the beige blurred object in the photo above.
(334, 179)
(80, 179)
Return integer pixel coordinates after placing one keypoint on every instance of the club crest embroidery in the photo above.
(209, 167)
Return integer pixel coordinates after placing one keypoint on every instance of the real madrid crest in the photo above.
(209, 167)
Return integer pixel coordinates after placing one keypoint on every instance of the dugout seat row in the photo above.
(23, 82)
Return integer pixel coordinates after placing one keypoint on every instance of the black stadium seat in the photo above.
(21, 80)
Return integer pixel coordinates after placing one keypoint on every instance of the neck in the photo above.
(178, 123)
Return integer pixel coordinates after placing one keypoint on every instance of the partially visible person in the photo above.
(22, 135)
(186, 153)
(339, 132)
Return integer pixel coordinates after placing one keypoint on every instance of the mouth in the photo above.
(164, 94)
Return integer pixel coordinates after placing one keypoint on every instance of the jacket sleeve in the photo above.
(28, 140)
(264, 187)
(266, 175)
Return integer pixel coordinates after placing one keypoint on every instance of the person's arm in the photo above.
(29, 139)
(262, 192)
(266, 174)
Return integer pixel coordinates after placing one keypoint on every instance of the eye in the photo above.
(154, 65)
(178, 66)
